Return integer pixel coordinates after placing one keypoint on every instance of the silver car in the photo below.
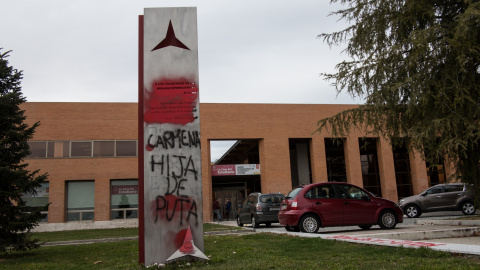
(259, 208)
(443, 197)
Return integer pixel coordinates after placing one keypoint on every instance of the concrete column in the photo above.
(275, 165)
(56, 210)
(102, 199)
(449, 171)
(353, 165)
(418, 169)
(207, 181)
(386, 167)
(319, 160)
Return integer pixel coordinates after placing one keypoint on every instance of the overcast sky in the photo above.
(250, 51)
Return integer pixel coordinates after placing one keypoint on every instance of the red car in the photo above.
(309, 207)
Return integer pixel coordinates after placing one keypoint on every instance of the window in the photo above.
(41, 149)
(37, 201)
(335, 156)
(80, 200)
(66, 149)
(300, 167)
(369, 161)
(103, 148)
(435, 173)
(126, 149)
(453, 188)
(124, 199)
(271, 198)
(434, 190)
(81, 149)
(351, 192)
(402, 171)
(435, 170)
(321, 192)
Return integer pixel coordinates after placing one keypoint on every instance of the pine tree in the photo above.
(417, 65)
(15, 179)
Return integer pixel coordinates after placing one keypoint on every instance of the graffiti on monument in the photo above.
(171, 135)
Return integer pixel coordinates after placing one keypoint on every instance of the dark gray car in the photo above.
(443, 197)
(259, 208)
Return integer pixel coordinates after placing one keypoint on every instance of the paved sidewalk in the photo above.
(444, 235)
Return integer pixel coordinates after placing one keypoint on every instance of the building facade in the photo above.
(90, 152)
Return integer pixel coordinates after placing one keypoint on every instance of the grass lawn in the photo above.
(253, 251)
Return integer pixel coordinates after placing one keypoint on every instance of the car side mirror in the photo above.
(365, 198)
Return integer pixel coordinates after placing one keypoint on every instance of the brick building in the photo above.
(90, 152)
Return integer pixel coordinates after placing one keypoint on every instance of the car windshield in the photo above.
(292, 194)
(271, 198)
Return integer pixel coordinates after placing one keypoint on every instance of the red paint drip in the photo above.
(148, 148)
(187, 247)
(171, 101)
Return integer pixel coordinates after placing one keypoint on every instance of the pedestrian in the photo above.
(228, 205)
(216, 210)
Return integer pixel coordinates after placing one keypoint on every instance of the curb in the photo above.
(87, 241)
(425, 235)
(449, 222)
(104, 240)
(242, 231)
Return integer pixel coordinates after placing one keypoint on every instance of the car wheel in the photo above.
(309, 224)
(292, 229)
(468, 208)
(365, 227)
(239, 223)
(412, 211)
(254, 222)
(268, 224)
(387, 220)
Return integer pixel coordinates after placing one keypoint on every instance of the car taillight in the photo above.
(294, 204)
(259, 208)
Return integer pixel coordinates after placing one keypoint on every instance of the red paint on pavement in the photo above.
(387, 241)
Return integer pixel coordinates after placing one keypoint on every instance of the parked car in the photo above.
(259, 208)
(307, 208)
(443, 197)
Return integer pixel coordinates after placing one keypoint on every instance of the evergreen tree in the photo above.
(15, 179)
(416, 63)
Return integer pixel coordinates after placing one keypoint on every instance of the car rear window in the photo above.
(292, 194)
(453, 188)
(276, 198)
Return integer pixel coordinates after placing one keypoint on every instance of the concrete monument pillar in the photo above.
(171, 220)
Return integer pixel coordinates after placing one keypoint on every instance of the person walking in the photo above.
(228, 206)
(216, 210)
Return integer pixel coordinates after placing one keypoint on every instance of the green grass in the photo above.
(252, 251)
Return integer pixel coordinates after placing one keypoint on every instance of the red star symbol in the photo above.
(170, 40)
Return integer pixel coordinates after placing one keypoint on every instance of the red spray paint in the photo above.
(171, 101)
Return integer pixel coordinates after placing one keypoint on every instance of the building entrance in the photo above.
(235, 189)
